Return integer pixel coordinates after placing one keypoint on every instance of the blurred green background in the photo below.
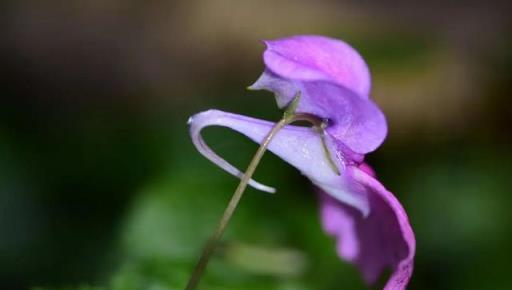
(101, 188)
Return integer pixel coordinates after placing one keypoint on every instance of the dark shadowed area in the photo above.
(101, 187)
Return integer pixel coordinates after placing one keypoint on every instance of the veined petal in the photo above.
(299, 146)
(358, 123)
(383, 239)
(313, 57)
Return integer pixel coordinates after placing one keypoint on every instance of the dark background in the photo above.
(100, 186)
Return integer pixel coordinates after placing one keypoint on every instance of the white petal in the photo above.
(299, 146)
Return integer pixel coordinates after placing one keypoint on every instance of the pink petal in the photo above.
(357, 123)
(334, 83)
(313, 57)
(383, 239)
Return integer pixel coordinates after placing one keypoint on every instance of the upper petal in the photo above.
(356, 122)
(313, 57)
(383, 239)
(299, 146)
(334, 83)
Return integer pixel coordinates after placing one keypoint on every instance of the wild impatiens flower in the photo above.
(326, 80)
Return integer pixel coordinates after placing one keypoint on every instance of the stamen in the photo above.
(327, 153)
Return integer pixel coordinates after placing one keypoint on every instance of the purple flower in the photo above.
(371, 227)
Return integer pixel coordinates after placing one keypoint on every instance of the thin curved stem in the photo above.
(235, 199)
